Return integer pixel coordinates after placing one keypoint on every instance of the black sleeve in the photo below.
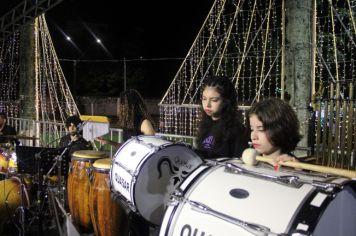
(12, 131)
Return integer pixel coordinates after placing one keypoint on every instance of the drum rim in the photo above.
(89, 154)
(91, 159)
(173, 208)
(103, 163)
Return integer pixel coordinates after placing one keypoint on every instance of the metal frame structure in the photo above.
(23, 13)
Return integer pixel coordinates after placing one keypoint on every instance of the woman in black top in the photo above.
(133, 115)
(220, 134)
(135, 120)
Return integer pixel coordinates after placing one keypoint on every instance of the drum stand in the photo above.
(41, 184)
(22, 214)
(39, 193)
(61, 182)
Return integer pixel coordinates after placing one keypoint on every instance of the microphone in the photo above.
(81, 125)
(80, 128)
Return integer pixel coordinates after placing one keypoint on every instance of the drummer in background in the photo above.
(73, 140)
(6, 130)
(133, 117)
(274, 129)
(220, 134)
(135, 120)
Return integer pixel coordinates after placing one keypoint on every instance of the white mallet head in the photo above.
(249, 156)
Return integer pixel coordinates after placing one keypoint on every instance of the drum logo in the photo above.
(121, 181)
(188, 230)
(178, 170)
(182, 163)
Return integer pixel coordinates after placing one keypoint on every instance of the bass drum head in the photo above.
(228, 202)
(159, 175)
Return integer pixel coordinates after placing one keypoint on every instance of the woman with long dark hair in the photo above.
(221, 133)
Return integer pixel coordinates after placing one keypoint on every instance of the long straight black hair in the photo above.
(229, 119)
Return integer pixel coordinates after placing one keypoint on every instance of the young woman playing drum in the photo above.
(220, 134)
(133, 117)
(274, 129)
(135, 120)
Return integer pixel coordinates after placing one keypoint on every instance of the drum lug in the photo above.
(134, 179)
(91, 177)
(213, 162)
(176, 197)
(89, 171)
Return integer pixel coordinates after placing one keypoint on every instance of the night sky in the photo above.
(158, 32)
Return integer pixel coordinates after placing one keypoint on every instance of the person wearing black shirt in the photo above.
(73, 138)
(133, 117)
(73, 141)
(135, 120)
(221, 133)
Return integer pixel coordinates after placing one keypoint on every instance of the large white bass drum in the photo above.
(146, 170)
(230, 198)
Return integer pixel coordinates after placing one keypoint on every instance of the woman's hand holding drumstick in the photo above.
(250, 157)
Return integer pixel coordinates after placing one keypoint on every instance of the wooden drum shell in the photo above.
(78, 187)
(106, 214)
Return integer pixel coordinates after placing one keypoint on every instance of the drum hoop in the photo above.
(304, 210)
(90, 159)
(134, 174)
(176, 202)
(89, 154)
(150, 145)
(193, 176)
(316, 212)
(101, 170)
(167, 223)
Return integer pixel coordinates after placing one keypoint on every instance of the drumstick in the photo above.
(250, 157)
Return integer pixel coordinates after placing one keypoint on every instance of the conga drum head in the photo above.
(89, 154)
(102, 165)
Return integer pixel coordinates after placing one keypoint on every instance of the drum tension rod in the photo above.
(287, 180)
(255, 229)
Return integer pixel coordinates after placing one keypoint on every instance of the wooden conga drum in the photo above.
(78, 187)
(107, 217)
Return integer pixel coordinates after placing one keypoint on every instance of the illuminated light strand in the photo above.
(200, 59)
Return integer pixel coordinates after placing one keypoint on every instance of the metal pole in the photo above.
(74, 76)
(124, 74)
